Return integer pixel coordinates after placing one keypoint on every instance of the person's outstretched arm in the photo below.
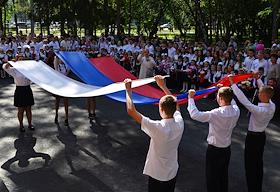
(131, 110)
(161, 83)
(242, 98)
(194, 112)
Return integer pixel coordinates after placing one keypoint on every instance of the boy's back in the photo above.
(161, 162)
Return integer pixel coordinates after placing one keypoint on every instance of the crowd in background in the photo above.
(189, 64)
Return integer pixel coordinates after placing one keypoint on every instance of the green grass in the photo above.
(165, 34)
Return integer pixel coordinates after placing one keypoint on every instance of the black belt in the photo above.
(255, 133)
(214, 147)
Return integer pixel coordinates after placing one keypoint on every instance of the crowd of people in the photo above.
(190, 64)
(194, 63)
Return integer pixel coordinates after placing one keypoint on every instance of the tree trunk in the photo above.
(62, 20)
(47, 20)
(138, 27)
(90, 30)
(41, 27)
(118, 18)
(275, 19)
(129, 20)
(106, 21)
(5, 20)
(197, 16)
(1, 21)
(15, 16)
(32, 17)
(62, 27)
(154, 28)
(210, 20)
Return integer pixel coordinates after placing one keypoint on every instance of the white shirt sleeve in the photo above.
(177, 116)
(260, 83)
(196, 114)
(11, 71)
(149, 126)
(245, 101)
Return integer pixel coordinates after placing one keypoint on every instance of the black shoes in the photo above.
(21, 129)
(56, 119)
(91, 115)
(66, 122)
(31, 128)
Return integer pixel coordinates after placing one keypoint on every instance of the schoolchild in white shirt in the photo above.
(162, 160)
(23, 96)
(221, 121)
(261, 114)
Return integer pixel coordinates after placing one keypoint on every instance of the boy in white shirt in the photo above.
(261, 114)
(221, 121)
(162, 160)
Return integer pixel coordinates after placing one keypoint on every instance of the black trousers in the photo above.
(161, 186)
(217, 161)
(254, 147)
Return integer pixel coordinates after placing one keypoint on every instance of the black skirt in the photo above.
(23, 96)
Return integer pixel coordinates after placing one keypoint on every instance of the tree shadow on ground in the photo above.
(71, 147)
(71, 150)
(105, 141)
(42, 179)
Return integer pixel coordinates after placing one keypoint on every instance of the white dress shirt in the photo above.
(260, 63)
(261, 114)
(249, 63)
(171, 52)
(221, 121)
(55, 45)
(162, 159)
(19, 79)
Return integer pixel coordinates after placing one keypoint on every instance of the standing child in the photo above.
(62, 68)
(162, 160)
(221, 121)
(23, 97)
(261, 114)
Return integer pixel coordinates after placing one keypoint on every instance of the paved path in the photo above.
(109, 155)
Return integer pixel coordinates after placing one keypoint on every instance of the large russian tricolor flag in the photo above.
(104, 71)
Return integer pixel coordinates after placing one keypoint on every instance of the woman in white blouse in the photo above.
(23, 97)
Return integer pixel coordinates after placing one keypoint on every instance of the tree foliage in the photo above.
(209, 18)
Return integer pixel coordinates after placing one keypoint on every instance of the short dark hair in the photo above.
(226, 93)
(251, 50)
(168, 104)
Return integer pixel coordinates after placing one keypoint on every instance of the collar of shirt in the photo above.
(263, 104)
(168, 120)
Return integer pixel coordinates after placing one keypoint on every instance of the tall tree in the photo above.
(275, 18)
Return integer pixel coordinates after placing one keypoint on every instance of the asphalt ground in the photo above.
(109, 154)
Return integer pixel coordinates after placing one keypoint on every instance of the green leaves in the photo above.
(264, 13)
